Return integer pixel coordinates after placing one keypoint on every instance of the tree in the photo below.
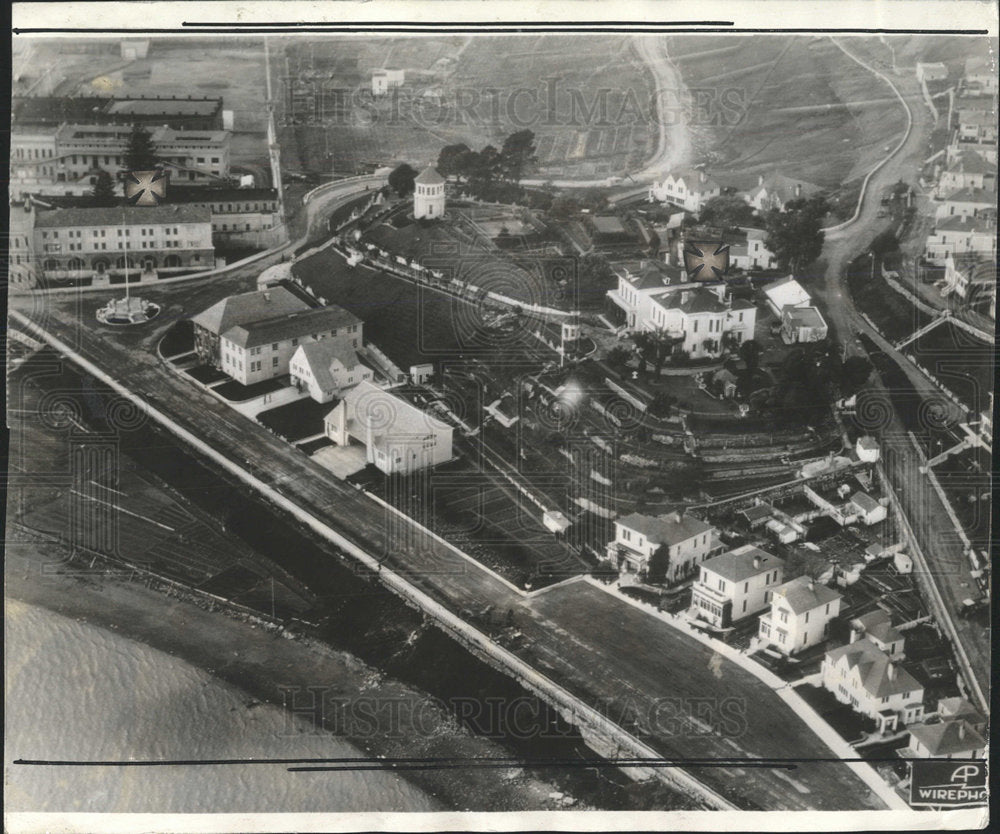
(796, 234)
(484, 170)
(727, 211)
(564, 207)
(654, 244)
(750, 352)
(140, 153)
(662, 403)
(103, 193)
(618, 357)
(401, 179)
(659, 563)
(594, 279)
(517, 153)
(450, 159)
(854, 374)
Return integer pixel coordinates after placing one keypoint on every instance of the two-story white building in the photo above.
(258, 350)
(981, 74)
(786, 292)
(967, 170)
(800, 615)
(962, 234)
(877, 627)
(98, 243)
(326, 368)
(874, 684)
(689, 188)
(802, 324)
(967, 201)
(688, 539)
(955, 730)
(398, 437)
(735, 585)
(971, 276)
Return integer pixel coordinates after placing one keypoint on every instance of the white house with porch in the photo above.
(327, 367)
(688, 539)
(735, 585)
(687, 187)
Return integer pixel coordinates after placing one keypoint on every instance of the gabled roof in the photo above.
(738, 565)
(947, 737)
(965, 222)
(429, 176)
(665, 529)
(289, 326)
(880, 675)
(863, 501)
(957, 707)
(693, 180)
(878, 624)
(979, 196)
(803, 316)
(784, 188)
(389, 415)
(247, 307)
(324, 356)
(970, 162)
(758, 511)
(803, 594)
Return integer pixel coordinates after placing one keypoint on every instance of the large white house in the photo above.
(327, 367)
(874, 684)
(967, 201)
(687, 187)
(258, 350)
(954, 731)
(688, 539)
(877, 627)
(786, 292)
(800, 615)
(735, 585)
(398, 437)
(697, 316)
(802, 324)
(967, 170)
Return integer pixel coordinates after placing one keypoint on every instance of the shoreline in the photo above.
(264, 668)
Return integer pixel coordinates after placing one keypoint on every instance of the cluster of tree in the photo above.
(728, 211)
(490, 173)
(795, 235)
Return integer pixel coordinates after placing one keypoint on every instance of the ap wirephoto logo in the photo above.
(950, 784)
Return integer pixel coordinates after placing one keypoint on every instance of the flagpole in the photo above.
(125, 238)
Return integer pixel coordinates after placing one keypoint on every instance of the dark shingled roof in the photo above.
(123, 216)
(738, 564)
(880, 676)
(247, 307)
(665, 529)
(947, 737)
(430, 176)
(289, 326)
(801, 597)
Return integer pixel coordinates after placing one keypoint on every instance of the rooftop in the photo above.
(323, 356)
(804, 594)
(757, 511)
(803, 316)
(390, 415)
(878, 624)
(122, 216)
(742, 563)
(608, 224)
(785, 188)
(665, 529)
(947, 737)
(980, 196)
(289, 326)
(880, 675)
(429, 176)
(696, 180)
(247, 307)
(957, 223)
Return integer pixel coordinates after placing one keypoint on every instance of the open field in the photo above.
(828, 127)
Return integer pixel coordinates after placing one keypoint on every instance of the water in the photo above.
(76, 691)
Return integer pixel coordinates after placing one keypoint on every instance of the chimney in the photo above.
(702, 176)
(812, 584)
(756, 561)
(890, 671)
(760, 179)
(961, 729)
(798, 189)
(856, 634)
(267, 295)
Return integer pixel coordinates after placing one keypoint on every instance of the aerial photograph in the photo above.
(442, 420)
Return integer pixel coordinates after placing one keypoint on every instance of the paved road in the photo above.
(931, 523)
(558, 644)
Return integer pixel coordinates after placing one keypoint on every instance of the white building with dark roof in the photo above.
(688, 539)
(239, 309)
(254, 351)
(961, 234)
(735, 585)
(967, 170)
(776, 191)
(877, 627)
(944, 740)
(326, 368)
(981, 73)
(874, 684)
(398, 437)
(967, 201)
(800, 615)
(97, 243)
(689, 188)
(802, 324)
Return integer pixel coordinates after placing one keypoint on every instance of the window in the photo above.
(746, 587)
(274, 346)
(807, 616)
(783, 615)
(274, 362)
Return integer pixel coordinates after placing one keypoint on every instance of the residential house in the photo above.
(235, 310)
(398, 437)
(786, 292)
(961, 234)
(326, 368)
(972, 276)
(757, 515)
(967, 201)
(944, 740)
(747, 249)
(967, 170)
(877, 627)
(776, 191)
(977, 127)
(387, 78)
(735, 585)
(258, 350)
(97, 243)
(687, 187)
(802, 324)
(874, 684)
(800, 615)
(688, 539)
(956, 708)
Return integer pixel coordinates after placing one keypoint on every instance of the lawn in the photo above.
(297, 420)
(236, 392)
(179, 339)
(850, 725)
(893, 315)
(314, 446)
(206, 374)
